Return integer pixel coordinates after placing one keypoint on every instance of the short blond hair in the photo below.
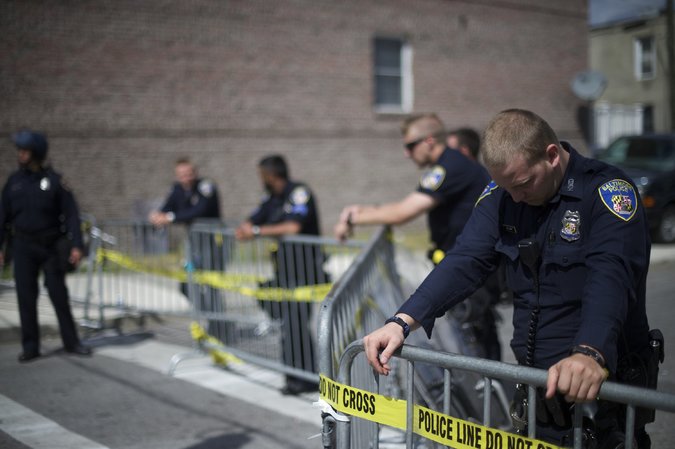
(515, 132)
(428, 124)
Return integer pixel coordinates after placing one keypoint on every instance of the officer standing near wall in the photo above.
(447, 192)
(574, 238)
(190, 198)
(289, 208)
(38, 211)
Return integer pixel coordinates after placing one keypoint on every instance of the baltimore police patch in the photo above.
(433, 179)
(619, 197)
(205, 187)
(299, 195)
(486, 191)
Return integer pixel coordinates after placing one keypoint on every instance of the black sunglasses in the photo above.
(411, 145)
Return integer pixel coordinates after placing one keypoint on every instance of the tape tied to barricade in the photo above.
(219, 356)
(441, 428)
(235, 282)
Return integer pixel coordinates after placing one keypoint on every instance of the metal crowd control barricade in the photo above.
(452, 431)
(139, 270)
(81, 282)
(360, 301)
(258, 300)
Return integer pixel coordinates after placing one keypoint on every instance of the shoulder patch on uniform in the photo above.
(619, 197)
(300, 195)
(486, 191)
(205, 187)
(432, 179)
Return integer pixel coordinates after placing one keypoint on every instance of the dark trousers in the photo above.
(295, 265)
(29, 258)
(209, 254)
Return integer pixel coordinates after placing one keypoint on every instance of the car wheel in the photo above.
(666, 231)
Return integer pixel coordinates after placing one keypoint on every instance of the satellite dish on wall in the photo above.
(589, 85)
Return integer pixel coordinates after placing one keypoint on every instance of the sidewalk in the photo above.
(167, 339)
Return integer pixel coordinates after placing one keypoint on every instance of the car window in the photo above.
(641, 152)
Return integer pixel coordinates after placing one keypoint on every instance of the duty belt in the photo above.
(44, 237)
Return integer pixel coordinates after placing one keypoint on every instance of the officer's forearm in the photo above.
(284, 228)
(389, 214)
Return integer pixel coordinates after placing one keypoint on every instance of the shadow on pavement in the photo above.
(230, 441)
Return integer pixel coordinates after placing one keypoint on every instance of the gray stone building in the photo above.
(123, 88)
(632, 54)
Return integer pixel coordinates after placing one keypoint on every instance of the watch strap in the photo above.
(590, 352)
(401, 322)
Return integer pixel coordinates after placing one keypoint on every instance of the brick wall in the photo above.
(124, 87)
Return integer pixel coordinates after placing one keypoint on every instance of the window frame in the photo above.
(640, 55)
(405, 73)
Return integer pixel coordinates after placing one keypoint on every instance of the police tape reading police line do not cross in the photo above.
(349, 398)
(444, 429)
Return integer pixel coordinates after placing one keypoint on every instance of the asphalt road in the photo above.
(117, 399)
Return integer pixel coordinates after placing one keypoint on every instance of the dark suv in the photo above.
(649, 160)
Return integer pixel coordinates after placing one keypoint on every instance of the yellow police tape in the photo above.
(225, 281)
(219, 356)
(438, 427)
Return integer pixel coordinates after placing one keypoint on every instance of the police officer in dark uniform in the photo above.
(39, 212)
(289, 208)
(447, 192)
(574, 238)
(190, 198)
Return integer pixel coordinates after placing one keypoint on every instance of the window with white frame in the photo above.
(645, 58)
(393, 75)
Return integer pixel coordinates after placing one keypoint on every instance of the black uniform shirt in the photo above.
(594, 262)
(38, 203)
(455, 183)
(199, 202)
(296, 203)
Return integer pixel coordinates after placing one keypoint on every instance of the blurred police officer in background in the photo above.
(194, 199)
(466, 140)
(190, 198)
(447, 192)
(38, 211)
(289, 208)
(574, 238)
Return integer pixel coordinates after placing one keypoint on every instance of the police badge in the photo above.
(571, 222)
(45, 184)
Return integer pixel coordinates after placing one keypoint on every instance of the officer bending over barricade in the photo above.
(190, 198)
(194, 199)
(289, 208)
(446, 192)
(574, 238)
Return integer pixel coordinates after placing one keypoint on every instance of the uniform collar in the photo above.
(287, 189)
(572, 182)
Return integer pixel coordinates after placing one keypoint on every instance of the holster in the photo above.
(642, 370)
(551, 412)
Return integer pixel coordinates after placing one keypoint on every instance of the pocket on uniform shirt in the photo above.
(564, 274)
